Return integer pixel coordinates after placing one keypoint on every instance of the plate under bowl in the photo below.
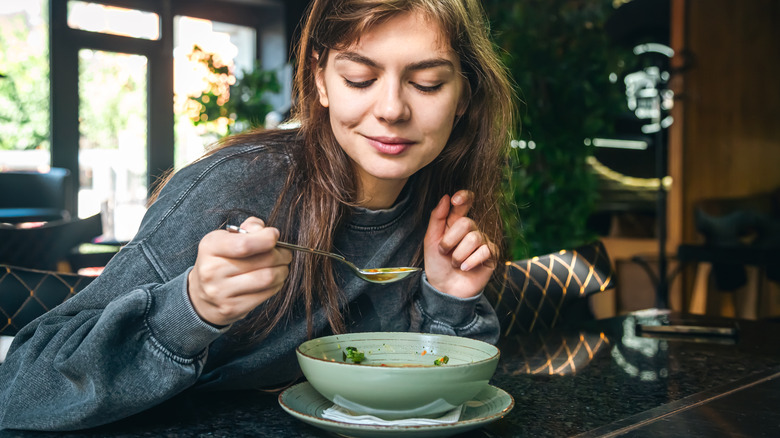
(306, 404)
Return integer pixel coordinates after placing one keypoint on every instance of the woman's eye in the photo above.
(358, 84)
(427, 88)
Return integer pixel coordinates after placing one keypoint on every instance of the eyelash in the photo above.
(366, 84)
(428, 89)
(363, 84)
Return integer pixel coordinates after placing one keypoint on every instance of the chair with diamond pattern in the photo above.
(534, 294)
(26, 294)
(542, 292)
(44, 247)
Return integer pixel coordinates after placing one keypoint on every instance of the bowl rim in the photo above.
(494, 356)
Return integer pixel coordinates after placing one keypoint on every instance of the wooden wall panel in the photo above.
(729, 107)
(676, 152)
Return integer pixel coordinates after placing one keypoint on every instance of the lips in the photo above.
(390, 145)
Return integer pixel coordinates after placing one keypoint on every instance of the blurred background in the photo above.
(637, 117)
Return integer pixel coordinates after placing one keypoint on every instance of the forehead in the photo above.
(403, 25)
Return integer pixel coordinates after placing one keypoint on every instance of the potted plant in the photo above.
(561, 60)
(233, 102)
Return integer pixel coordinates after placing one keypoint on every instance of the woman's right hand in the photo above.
(236, 272)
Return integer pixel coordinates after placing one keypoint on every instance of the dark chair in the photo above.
(26, 294)
(541, 292)
(43, 247)
(28, 196)
(738, 234)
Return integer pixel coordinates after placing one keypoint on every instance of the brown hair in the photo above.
(322, 182)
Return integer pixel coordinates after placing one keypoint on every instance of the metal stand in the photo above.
(652, 100)
(662, 291)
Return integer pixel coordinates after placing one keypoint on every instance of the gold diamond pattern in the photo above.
(534, 293)
(558, 354)
(26, 294)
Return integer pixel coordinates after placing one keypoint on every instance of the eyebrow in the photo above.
(421, 65)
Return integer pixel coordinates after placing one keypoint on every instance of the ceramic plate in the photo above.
(305, 403)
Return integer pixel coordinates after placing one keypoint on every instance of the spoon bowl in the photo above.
(374, 275)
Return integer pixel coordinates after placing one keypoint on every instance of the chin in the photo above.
(389, 171)
(387, 174)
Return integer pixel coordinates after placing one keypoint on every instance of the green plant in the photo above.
(112, 99)
(238, 100)
(24, 93)
(560, 58)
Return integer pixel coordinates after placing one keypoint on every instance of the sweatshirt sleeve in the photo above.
(83, 365)
(436, 312)
(131, 339)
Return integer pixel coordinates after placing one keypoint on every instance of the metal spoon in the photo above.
(378, 275)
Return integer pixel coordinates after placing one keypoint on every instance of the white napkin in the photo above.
(5, 344)
(338, 413)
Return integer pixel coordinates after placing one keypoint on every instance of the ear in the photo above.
(319, 80)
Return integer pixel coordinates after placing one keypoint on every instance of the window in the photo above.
(115, 121)
(24, 91)
(195, 39)
(112, 144)
(96, 17)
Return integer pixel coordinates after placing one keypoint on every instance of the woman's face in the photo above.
(392, 97)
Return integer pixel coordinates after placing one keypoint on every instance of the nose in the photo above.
(391, 105)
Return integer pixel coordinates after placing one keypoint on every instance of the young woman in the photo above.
(404, 112)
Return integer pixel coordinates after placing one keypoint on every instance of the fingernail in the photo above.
(465, 267)
(457, 200)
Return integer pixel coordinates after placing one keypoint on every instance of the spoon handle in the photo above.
(237, 229)
(384, 275)
(310, 250)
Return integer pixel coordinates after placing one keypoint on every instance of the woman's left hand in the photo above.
(459, 258)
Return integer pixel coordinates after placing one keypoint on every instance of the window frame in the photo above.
(64, 46)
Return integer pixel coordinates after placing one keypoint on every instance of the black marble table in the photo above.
(606, 378)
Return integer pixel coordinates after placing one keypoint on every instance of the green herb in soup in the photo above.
(353, 354)
(441, 361)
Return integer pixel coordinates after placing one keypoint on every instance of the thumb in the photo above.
(438, 222)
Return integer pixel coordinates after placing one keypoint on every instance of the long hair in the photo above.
(322, 182)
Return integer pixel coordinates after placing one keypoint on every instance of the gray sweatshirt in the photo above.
(132, 339)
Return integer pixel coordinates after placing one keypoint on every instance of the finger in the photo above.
(462, 201)
(276, 257)
(253, 224)
(483, 256)
(456, 232)
(223, 290)
(240, 245)
(259, 281)
(226, 310)
(438, 221)
(466, 246)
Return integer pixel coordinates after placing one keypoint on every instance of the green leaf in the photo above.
(560, 59)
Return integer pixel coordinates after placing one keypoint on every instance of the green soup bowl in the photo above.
(397, 376)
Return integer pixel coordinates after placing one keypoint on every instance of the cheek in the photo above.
(438, 123)
(345, 107)
(345, 113)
